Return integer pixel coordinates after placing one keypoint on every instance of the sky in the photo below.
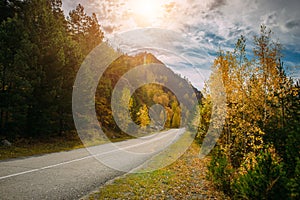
(187, 34)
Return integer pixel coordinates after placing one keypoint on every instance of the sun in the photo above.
(146, 10)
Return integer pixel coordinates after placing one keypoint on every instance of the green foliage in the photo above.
(264, 180)
(84, 29)
(38, 63)
(293, 184)
(205, 115)
(220, 171)
(287, 145)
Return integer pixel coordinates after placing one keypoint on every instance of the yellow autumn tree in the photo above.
(143, 116)
(252, 89)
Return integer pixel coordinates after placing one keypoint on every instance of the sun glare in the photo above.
(149, 10)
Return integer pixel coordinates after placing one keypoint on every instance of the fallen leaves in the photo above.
(184, 179)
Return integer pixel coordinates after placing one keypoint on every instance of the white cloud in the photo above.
(208, 24)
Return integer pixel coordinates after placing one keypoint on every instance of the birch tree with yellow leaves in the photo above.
(262, 121)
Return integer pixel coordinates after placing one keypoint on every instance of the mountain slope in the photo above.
(160, 79)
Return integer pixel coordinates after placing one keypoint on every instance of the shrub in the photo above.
(220, 172)
(293, 184)
(265, 180)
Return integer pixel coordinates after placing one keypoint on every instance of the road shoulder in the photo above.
(184, 179)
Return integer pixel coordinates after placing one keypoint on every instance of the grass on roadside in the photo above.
(30, 147)
(184, 179)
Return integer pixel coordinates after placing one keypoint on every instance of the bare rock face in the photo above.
(5, 143)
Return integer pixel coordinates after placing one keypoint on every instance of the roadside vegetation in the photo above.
(28, 147)
(258, 153)
(184, 179)
(24, 147)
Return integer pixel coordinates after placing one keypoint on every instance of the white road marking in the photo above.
(79, 159)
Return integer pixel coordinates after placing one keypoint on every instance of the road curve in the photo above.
(73, 174)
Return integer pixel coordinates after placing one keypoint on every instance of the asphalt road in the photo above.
(73, 174)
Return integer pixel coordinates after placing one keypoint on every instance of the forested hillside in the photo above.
(40, 53)
(144, 97)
